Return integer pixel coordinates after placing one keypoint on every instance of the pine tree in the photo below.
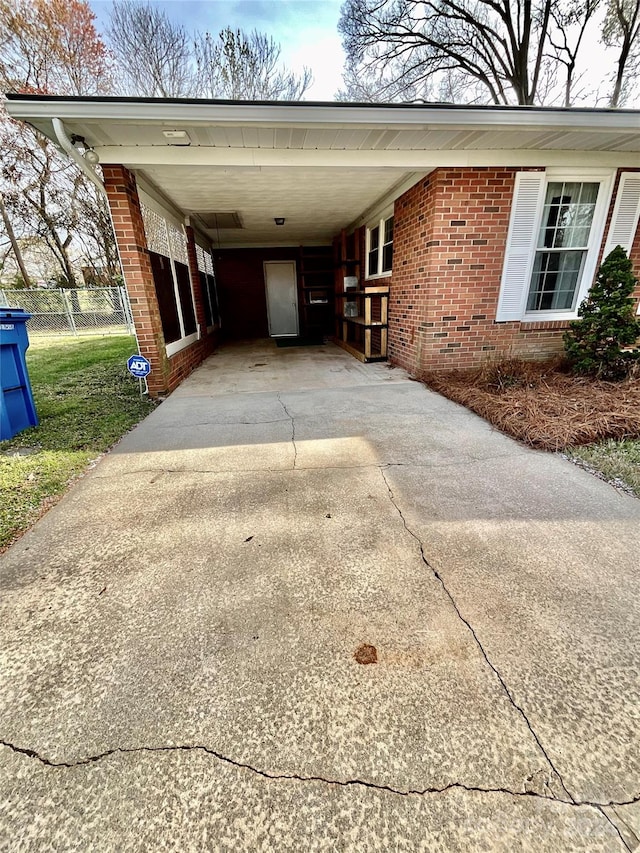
(608, 322)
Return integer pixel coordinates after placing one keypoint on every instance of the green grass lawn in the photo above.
(617, 461)
(85, 400)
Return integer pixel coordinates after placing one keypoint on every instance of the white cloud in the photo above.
(323, 54)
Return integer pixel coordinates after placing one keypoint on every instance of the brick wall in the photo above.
(124, 203)
(166, 373)
(241, 290)
(450, 233)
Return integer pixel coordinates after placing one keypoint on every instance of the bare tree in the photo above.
(154, 55)
(94, 231)
(622, 31)
(494, 51)
(158, 58)
(245, 66)
(566, 38)
(52, 46)
(13, 243)
(49, 46)
(37, 192)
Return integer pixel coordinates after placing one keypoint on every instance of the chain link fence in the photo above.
(100, 310)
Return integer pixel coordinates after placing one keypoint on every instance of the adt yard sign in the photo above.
(138, 366)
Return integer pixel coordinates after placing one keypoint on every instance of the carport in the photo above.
(241, 219)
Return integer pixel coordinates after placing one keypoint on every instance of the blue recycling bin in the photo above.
(17, 409)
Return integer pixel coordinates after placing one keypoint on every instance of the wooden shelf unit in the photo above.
(316, 278)
(365, 334)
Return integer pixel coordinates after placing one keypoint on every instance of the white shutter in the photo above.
(521, 241)
(626, 212)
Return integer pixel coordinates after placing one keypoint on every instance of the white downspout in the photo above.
(72, 151)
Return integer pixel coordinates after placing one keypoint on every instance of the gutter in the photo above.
(72, 151)
(325, 114)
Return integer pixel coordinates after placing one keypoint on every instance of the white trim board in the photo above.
(137, 157)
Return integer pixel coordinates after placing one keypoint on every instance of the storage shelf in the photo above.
(362, 335)
(360, 321)
(378, 290)
(317, 289)
(358, 353)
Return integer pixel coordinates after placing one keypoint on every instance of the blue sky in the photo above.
(305, 29)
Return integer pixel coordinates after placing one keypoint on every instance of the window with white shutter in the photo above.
(557, 222)
(518, 258)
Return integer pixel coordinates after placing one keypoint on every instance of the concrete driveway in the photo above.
(181, 635)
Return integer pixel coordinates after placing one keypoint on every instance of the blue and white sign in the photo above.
(138, 366)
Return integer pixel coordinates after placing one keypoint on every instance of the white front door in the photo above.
(282, 298)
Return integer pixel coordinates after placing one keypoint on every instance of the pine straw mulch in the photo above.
(543, 405)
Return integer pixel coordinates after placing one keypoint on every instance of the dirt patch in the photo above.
(542, 405)
(366, 654)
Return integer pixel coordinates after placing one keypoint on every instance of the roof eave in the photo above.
(33, 108)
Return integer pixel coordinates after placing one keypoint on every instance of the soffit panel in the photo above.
(416, 140)
(316, 203)
(586, 141)
(148, 133)
(283, 137)
(350, 140)
(631, 143)
(363, 140)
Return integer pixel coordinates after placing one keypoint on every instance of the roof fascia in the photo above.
(324, 114)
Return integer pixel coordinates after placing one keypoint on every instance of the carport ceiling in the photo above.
(315, 203)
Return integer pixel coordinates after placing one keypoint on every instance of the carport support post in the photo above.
(122, 193)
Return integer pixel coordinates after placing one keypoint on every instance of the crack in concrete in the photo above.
(293, 430)
(632, 834)
(295, 777)
(159, 427)
(619, 816)
(615, 826)
(193, 471)
(373, 465)
(475, 637)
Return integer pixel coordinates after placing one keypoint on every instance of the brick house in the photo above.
(240, 219)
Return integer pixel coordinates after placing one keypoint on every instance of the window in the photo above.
(555, 234)
(167, 245)
(563, 243)
(380, 248)
(208, 287)
(166, 295)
